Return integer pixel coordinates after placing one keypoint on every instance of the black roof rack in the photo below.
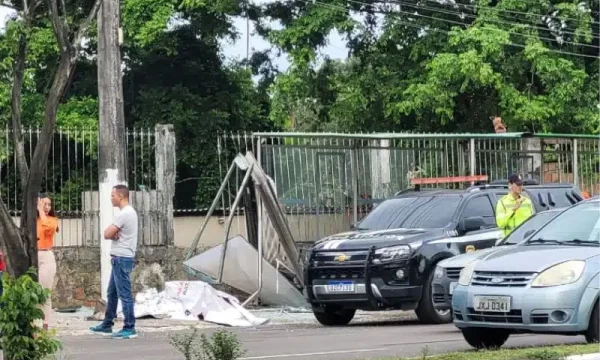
(505, 181)
(417, 188)
(486, 186)
(500, 184)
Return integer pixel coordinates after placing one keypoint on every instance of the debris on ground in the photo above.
(241, 272)
(193, 300)
(270, 270)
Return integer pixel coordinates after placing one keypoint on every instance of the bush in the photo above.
(21, 303)
(222, 345)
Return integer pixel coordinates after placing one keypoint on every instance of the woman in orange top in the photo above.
(47, 226)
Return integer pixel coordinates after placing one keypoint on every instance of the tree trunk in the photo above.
(14, 240)
(12, 245)
(39, 161)
(20, 244)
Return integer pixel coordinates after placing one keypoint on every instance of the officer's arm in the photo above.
(530, 208)
(503, 215)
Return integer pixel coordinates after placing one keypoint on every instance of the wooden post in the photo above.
(112, 157)
(166, 163)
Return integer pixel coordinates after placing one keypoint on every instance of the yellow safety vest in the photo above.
(507, 218)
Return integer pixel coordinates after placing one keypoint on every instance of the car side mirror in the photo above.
(471, 224)
(353, 226)
(528, 233)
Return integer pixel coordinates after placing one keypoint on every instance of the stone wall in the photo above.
(77, 280)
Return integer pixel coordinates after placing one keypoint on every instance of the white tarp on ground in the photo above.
(241, 272)
(193, 300)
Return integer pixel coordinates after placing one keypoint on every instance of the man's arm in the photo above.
(111, 232)
(503, 215)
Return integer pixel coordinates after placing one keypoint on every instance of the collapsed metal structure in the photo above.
(285, 253)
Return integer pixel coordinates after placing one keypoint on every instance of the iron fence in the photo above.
(71, 180)
(328, 181)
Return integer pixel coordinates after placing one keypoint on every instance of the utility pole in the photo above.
(112, 157)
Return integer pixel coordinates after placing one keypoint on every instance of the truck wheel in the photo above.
(482, 338)
(330, 316)
(426, 312)
(592, 335)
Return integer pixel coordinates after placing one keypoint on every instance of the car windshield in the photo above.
(428, 212)
(579, 225)
(533, 223)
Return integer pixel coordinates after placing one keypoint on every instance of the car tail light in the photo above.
(2, 262)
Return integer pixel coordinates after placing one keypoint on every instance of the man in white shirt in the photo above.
(123, 233)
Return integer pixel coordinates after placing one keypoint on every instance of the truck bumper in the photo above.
(369, 293)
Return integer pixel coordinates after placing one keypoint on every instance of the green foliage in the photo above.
(174, 73)
(423, 67)
(545, 354)
(21, 338)
(222, 345)
(559, 352)
(422, 70)
(79, 113)
(145, 20)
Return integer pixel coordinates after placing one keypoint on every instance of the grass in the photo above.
(540, 353)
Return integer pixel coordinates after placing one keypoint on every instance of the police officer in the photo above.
(513, 209)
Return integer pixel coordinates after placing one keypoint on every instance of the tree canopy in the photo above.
(415, 65)
(439, 65)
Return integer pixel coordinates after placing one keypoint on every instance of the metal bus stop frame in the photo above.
(265, 194)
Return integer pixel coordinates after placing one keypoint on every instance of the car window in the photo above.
(533, 223)
(411, 212)
(580, 223)
(480, 206)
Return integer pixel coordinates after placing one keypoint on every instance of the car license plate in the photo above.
(452, 286)
(340, 286)
(498, 304)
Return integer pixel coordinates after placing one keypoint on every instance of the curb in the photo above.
(594, 356)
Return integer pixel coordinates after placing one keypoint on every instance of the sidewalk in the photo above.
(76, 324)
(585, 357)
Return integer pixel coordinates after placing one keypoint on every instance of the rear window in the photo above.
(427, 212)
(551, 198)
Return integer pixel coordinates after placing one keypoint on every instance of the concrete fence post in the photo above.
(166, 166)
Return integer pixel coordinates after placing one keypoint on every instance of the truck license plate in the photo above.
(340, 286)
(497, 304)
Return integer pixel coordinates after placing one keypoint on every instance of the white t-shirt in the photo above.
(127, 222)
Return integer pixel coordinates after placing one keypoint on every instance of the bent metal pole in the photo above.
(260, 250)
(238, 197)
(210, 211)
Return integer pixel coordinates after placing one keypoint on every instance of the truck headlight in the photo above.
(439, 272)
(393, 253)
(466, 274)
(561, 274)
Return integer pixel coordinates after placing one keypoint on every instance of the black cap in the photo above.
(515, 179)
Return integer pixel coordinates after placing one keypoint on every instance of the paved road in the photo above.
(278, 342)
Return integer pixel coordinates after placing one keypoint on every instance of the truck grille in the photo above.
(338, 273)
(340, 258)
(513, 317)
(453, 273)
(502, 279)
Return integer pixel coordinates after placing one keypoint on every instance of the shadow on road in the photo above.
(391, 322)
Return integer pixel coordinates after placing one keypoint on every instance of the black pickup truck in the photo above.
(388, 260)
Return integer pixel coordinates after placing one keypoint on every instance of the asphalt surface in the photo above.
(363, 341)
